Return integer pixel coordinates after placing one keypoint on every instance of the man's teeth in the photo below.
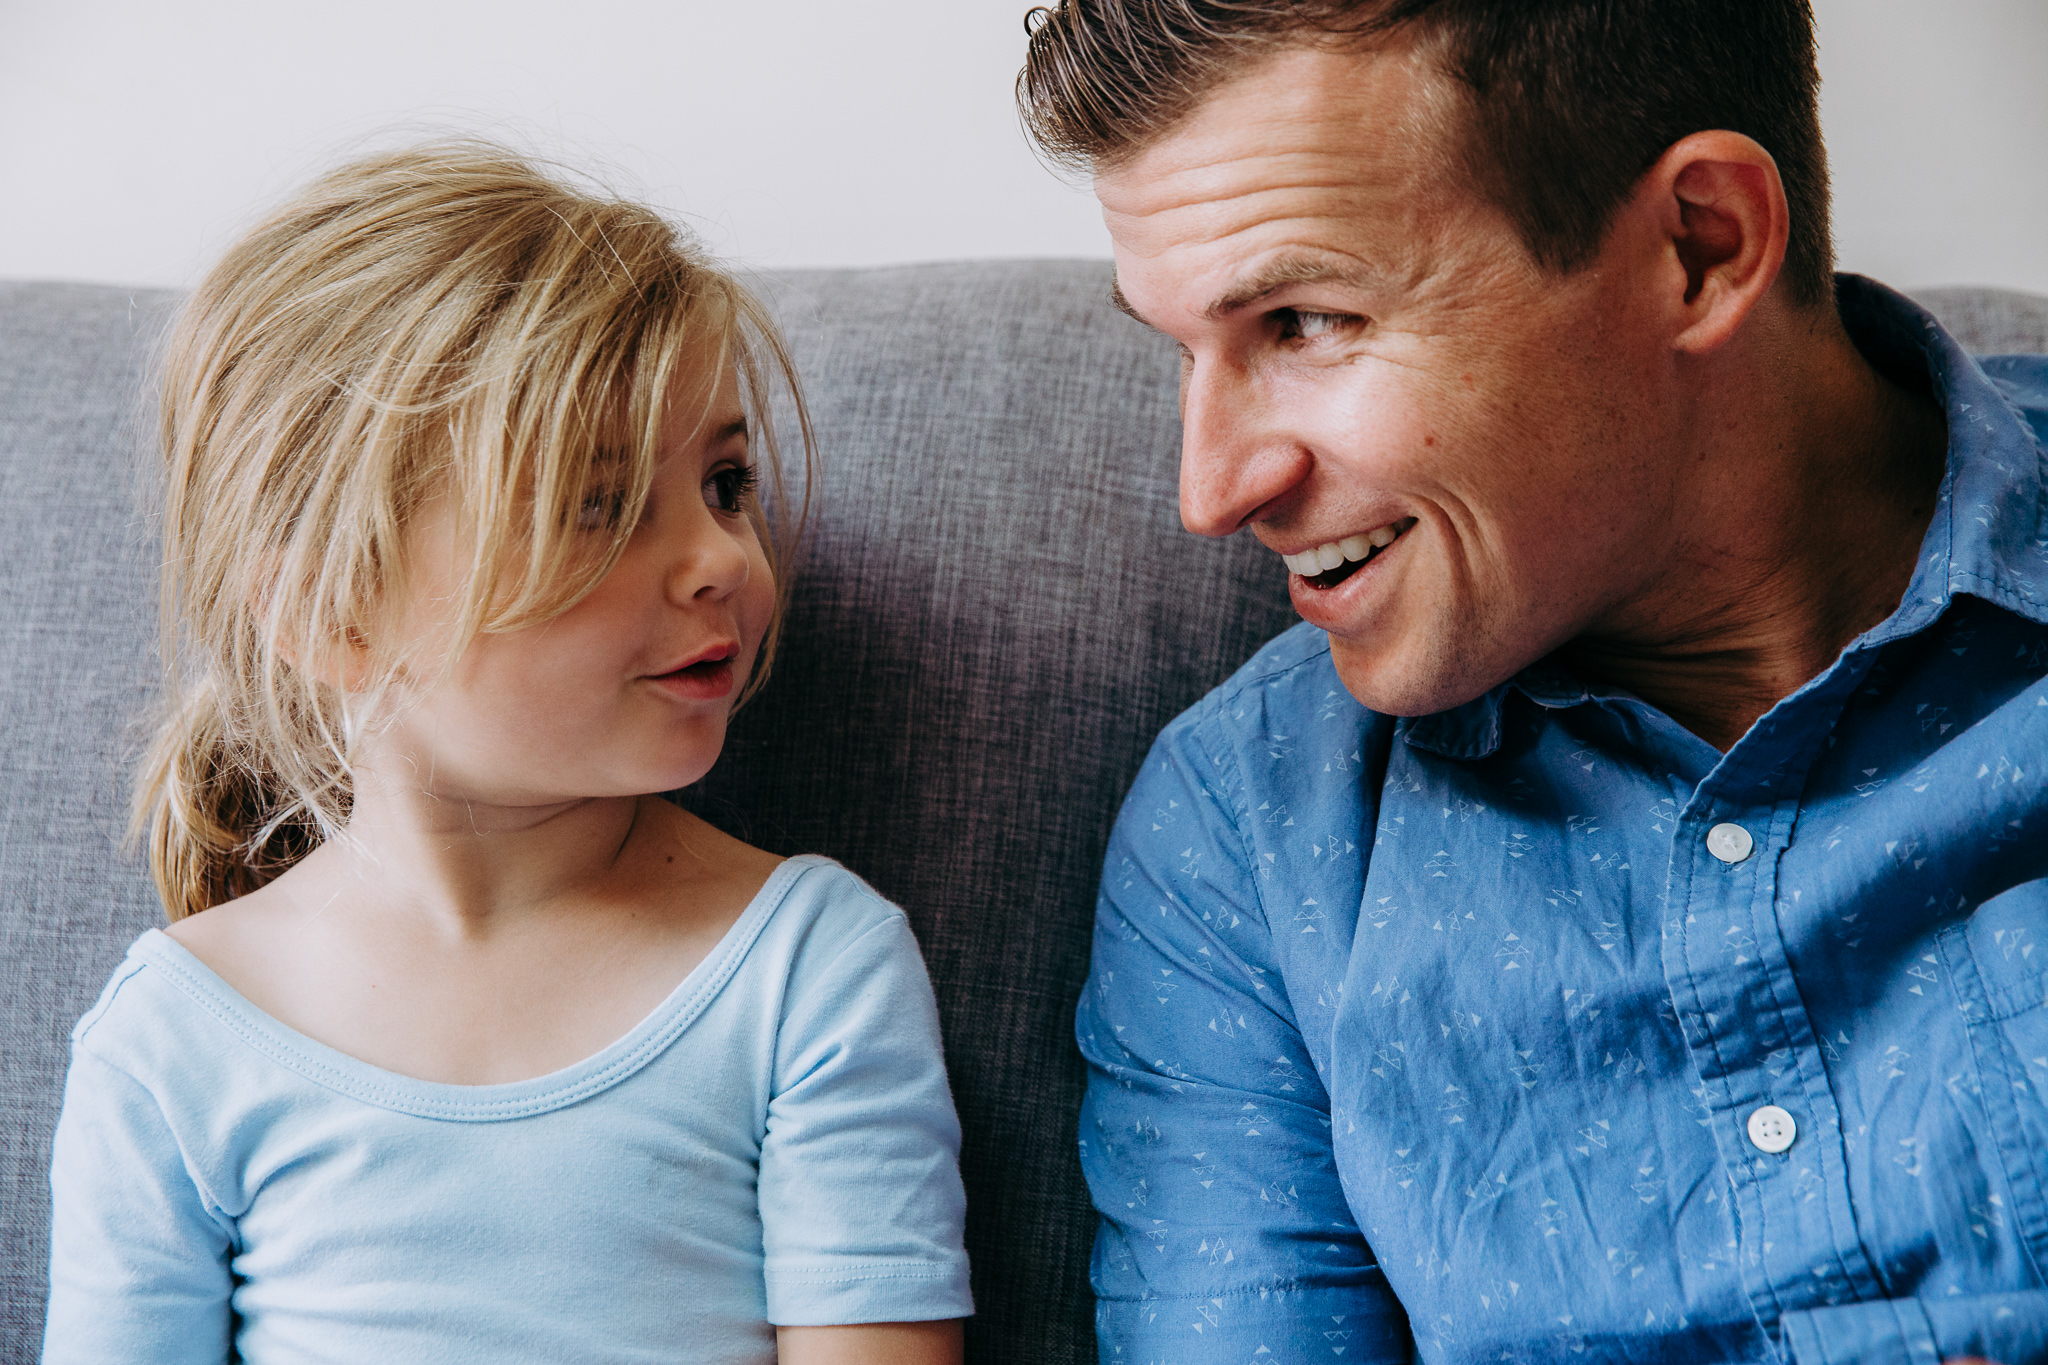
(1324, 558)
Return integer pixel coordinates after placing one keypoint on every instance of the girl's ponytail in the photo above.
(215, 829)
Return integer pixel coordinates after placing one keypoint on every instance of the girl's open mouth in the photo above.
(707, 678)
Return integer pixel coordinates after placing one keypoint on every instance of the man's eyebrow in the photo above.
(1279, 274)
(1274, 276)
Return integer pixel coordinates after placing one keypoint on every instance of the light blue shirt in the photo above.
(1538, 1030)
(774, 1144)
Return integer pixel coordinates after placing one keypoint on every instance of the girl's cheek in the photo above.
(757, 626)
(761, 599)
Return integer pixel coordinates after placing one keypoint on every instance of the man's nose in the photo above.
(1236, 456)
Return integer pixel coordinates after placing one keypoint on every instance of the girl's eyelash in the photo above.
(730, 488)
(601, 509)
(727, 489)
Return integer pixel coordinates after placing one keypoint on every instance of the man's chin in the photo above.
(1395, 683)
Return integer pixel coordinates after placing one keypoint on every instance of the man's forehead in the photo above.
(1309, 165)
(1301, 117)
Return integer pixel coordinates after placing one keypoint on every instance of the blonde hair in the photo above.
(447, 320)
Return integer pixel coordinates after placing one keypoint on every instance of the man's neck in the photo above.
(1816, 478)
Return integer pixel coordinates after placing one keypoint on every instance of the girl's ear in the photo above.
(341, 662)
(342, 659)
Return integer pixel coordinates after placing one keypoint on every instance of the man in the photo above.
(1607, 928)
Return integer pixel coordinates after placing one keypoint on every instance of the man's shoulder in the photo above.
(1292, 672)
(2022, 380)
(1254, 730)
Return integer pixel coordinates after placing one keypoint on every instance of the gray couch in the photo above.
(996, 612)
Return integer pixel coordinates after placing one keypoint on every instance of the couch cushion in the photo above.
(1990, 321)
(74, 672)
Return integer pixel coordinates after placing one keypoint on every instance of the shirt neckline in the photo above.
(360, 1080)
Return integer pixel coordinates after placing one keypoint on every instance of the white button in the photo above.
(1731, 844)
(1772, 1129)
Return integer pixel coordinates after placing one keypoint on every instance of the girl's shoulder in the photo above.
(170, 1025)
(144, 988)
(817, 951)
(809, 895)
(813, 909)
(819, 885)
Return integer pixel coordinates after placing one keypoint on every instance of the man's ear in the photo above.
(1720, 211)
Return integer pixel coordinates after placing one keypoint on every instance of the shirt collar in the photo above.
(1988, 537)
(1989, 534)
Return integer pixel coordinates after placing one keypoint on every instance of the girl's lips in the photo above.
(706, 678)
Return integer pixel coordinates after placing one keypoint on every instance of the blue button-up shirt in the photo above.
(1477, 1036)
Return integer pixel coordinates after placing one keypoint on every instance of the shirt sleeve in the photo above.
(862, 1210)
(2011, 1329)
(138, 1257)
(1205, 1132)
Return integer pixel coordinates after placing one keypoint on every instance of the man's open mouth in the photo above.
(1328, 565)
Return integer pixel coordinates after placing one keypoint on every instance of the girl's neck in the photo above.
(465, 868)
(487, 952)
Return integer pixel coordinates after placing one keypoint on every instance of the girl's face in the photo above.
(628, 691)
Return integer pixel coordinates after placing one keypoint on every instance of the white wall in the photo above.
(1936, 114)
(140, 135)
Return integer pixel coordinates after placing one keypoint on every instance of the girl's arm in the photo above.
(873, 1343)
(138, 1258)
(862, 1213)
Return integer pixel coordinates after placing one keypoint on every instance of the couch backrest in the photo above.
(996, 612)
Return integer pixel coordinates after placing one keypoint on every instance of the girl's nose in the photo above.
(715, 563)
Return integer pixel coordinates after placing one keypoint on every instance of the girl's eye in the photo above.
(729, 488)
(601, 510)
(1297, 324)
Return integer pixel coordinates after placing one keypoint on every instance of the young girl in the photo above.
(462, 1045)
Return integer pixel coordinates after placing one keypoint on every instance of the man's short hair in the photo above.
(1567, 103)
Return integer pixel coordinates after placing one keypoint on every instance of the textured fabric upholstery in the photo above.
(1991, 321)
(75, 635)
(995, 613)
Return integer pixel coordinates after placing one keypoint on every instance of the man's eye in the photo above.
(1297, 324)
(729, 488)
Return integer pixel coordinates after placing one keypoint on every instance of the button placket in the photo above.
(1733, 994)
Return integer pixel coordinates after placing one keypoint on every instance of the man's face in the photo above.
(1370, 353)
